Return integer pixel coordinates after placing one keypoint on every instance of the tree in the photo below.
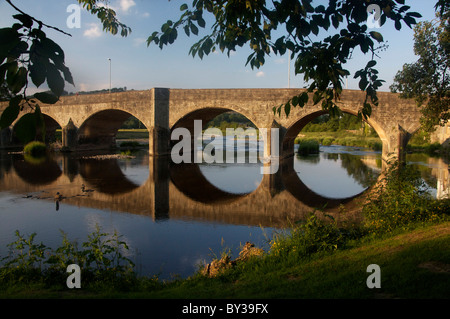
(319, 58)
(428, 79)
(26, 53)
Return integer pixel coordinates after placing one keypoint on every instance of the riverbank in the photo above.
(344, 138)
(413, 264)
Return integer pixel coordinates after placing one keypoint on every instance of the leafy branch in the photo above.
(321, 61)
(26, 53)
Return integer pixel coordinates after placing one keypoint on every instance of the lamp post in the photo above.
(109, 75)
(289, 71)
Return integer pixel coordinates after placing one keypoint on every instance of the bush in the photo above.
(35, 149)
(312, 236)
(308, 147)
(327, 141)
(102, 262)
(400, 200)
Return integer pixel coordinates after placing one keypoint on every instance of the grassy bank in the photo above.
(343, 138)
(413, 265)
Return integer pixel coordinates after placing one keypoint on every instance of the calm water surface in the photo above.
(177, 217)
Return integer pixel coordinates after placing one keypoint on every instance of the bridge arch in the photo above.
(100, 128)
(51, 125)
(206, 114)
(295, 127)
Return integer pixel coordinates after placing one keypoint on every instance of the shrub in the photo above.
(102, 262)
(308, 147)
(400, 200)
(327, 141)
(35, 149)
(313, 236)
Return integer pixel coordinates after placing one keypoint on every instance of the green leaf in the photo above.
(287, 108)
(184, 7)
(10, 114)
(19, 80)
(201, 22)
(363, 84)
(25, 19)
(377, 36)
(186, 30)
(54, 80)
(53, 51)
(371, 64)
(46, 98)
(414, 14)
(38, 73)
(67, 75)
(194, 29)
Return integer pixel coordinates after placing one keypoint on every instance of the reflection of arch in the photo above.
(39, 173)
(105, 176)
(297, 126)
(101, 127)
(300, 191)
(188, 179)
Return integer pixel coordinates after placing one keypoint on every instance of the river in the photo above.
(177, 217)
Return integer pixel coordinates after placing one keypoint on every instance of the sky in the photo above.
(135, 66)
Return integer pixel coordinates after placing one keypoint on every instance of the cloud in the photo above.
(119, 6)
(125, 5)
(260, 74)
(93, 32)
(139, 41)
(280, 61)
(83, 87)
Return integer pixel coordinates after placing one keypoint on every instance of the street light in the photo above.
(109, 75)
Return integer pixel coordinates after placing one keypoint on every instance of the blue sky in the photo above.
(136, 66)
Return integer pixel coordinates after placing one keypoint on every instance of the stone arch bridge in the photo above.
(91, 121)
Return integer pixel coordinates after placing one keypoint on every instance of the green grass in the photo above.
(343, 138)
(412, 266)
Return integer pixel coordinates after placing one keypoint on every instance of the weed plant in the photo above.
(102, 260)
(400, 201)
(307, 147)
(35, 149)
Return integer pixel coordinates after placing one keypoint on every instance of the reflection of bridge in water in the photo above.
(175, 191)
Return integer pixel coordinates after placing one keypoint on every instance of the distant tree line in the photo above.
(327, 123)
(230, 120)
(103, 91)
